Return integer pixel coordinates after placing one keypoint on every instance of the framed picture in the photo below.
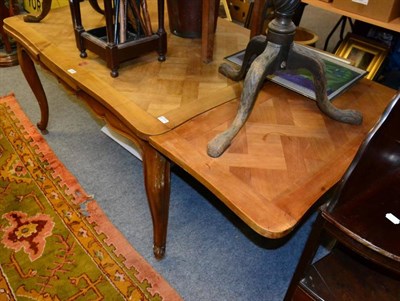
(340, 74)
(363, 53)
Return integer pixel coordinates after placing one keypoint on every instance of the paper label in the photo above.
(394, 219)
(163, 119)
(72, 71)
(365, 2)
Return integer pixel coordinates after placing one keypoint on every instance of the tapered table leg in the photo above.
(30, 73)
(209, 23)
(157, 182)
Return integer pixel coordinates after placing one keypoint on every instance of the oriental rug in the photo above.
(55, 241)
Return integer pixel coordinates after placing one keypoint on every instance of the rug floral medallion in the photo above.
(55, 241)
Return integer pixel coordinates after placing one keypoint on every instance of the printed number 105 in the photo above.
(36, 4)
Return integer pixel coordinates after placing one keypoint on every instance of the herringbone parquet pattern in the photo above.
(179, 88)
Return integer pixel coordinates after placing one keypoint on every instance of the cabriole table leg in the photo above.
(158, 183)
(31, 76)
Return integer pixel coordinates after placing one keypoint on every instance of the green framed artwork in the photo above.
(340, 74)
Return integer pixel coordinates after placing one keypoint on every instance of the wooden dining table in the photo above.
(282, 161)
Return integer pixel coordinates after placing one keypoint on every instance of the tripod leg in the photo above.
(300, 57)
(46, 6)
(263, 65)
(254, 48)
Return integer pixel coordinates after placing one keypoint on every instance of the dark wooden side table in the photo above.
(8, 54)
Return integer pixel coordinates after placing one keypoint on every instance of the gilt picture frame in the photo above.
(363, 53)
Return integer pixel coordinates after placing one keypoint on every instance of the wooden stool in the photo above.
(118, 41)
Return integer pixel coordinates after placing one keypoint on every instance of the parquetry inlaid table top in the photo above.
(287, 155)
(177, 89)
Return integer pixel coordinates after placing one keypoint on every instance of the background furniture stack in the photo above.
(126, 35)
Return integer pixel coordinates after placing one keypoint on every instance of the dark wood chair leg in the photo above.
(308, 254)
(157, 182)
(30, 73)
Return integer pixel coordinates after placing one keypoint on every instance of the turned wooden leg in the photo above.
(157, 182)
(162, 44)
(209, 23)
(30, 73)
